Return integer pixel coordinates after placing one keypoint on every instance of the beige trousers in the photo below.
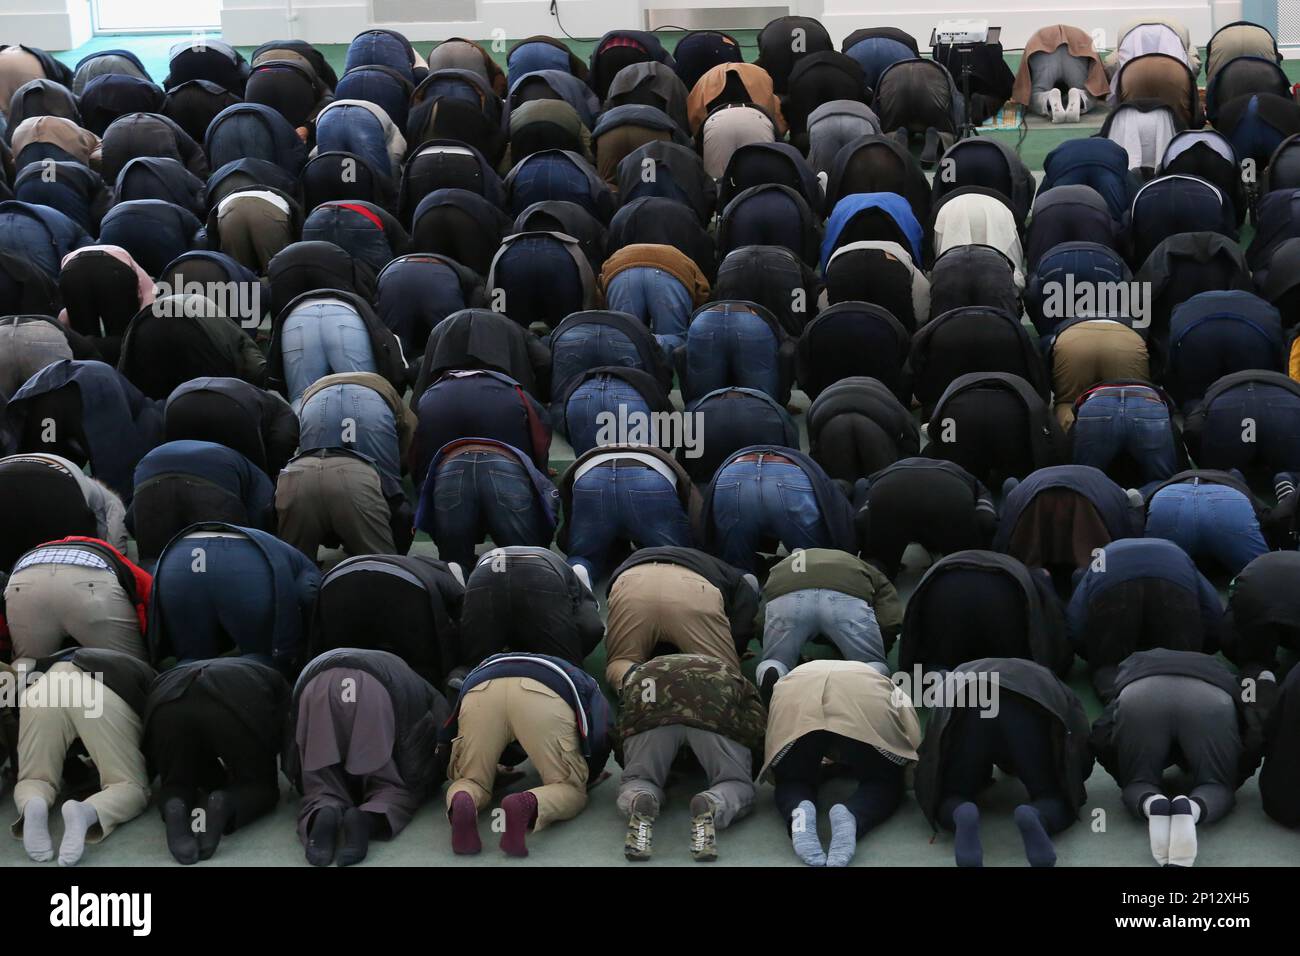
(48, 603)
(653, 603)
(48, 724)
(507, 709)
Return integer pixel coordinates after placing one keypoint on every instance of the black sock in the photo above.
(217, 815)
(180, 838)
(356, 836)
(323, 837)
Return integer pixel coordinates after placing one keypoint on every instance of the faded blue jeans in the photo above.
(792, 620)
(346, 411)
(323, 338)
(729, 346)
(655, 297)
(582, 412)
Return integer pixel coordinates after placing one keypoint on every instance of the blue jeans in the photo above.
(792, 620)
(1207, 520)
(726, 347)
(594, 396)
(352, 411)
(319, 339)
(757, 501)
(481, 492)
(655, 297)
(1132, 420)
(623, 501)
(584, 347)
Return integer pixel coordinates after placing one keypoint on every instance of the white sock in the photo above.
(1156, 809)
(78, 818)
(1182, 831)
(36, 830)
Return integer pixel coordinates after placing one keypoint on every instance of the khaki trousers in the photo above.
(48, 603)
(253, 231)
(654, 603)
(1093, 352)
(507, 709)
(324, 500)
(48, 724)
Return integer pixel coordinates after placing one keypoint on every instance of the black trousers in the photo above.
(525, 607)
(1138, 615)
(801, 772)
(1019, 741)
(383, 612)
(990, 428)
(198, 745)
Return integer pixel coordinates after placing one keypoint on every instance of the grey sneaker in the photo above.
(638, 844)
(704, 835)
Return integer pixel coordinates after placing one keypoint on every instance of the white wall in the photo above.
(48, 24)
(60, 24)
(338, 21)
(1018, 20)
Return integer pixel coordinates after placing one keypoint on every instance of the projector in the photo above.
(961, 32)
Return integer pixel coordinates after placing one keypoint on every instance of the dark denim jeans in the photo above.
(539, 280)
(584, 347)
(1126, 420)
(1207, 520)
(601, 394)
(730, 347)
(478, 494)
(1274, 414)
(756, 501)
(623, 501)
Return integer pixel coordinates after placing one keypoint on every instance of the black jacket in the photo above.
(255, 694)
(127, 676)
(1046, 635)
(1072, 756)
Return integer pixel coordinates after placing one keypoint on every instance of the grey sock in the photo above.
(844, 836)
(36, 830)
(803, 834)
(78, 818)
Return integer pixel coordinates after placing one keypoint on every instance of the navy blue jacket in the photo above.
(217, 465)
(1133, 558)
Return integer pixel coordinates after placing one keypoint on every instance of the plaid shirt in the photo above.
(62, 555)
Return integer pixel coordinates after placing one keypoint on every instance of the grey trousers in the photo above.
(648, 756)
(25, 349)
(1168, 718)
